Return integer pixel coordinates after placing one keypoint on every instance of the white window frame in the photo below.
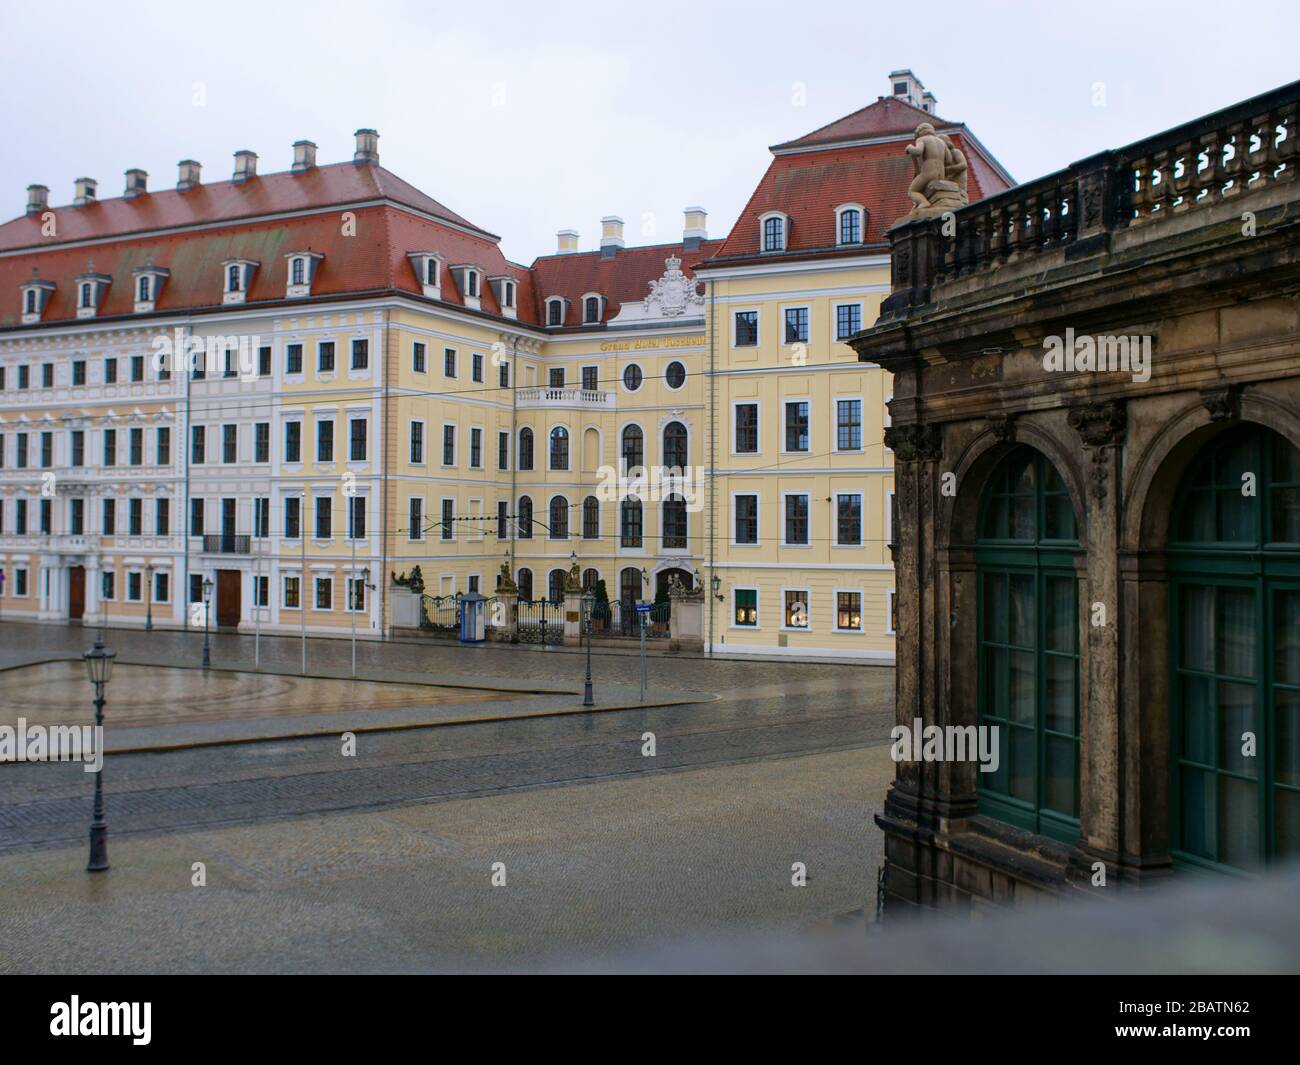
(835, 519)
(862, 225)
(758, 422)
(784, 496)
(807, 402)
(758, 326)
(758, 607)
(442, 445)
(758, 519)
(411, 423)
(807, 603)
(862, 425)
(835, 317)
(781, 324)
(835, 610)
(785, 232)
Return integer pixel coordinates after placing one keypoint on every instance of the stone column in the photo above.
(93, 585)
(1101, 428)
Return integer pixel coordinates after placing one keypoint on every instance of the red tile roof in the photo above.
(225, 201)
(621, 278)
(811, 176)
(887, 115)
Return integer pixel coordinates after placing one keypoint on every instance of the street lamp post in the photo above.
(99, 667)
(148, 598)
(207, 611)
(588, 602)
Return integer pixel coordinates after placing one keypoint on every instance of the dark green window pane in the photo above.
(1024, 520)
(995, 683)
(1197, 624)
(1021, 475)
(1021, 683)
(1059, 776)
(1286, 461)
(1286, 516)
(1237, 455)
(1288, 822)
(1198, 719)
(1238, 823)
(998, 779)
(1235, 632)
(1286, 718)
(1237, 717)
(1286, 636)
(1198, 806)
(1236, 517)
(1061, 624)
(1021, 603)
(1024, 764)
(1197, 524)
(1058, 694)
(1060, 518)
(995, 607)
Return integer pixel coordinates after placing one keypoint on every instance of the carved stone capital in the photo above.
(915, 442)
(1222, 403)
(1100, 424)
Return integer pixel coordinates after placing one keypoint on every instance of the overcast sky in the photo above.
(531, 117)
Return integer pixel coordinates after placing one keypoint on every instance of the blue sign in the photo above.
(643, 608)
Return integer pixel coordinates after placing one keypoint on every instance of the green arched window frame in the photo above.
(1028, 645)
(1234, 608)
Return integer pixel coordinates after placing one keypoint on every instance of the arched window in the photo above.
(555, 586)
(1234, 638)
(559, 518)
(525, 584)
(774, 233)
(525, 518)
(630, 522)
(232, 284)
(675, 439)
(850, 226)
(590, 449)
(591, 309)
(590, 578)
(591, 518)
(559, 448)
(555, 312)
(525, 449)
(629, 585)
(431, 271)
(675, 527)
(1028, 639)
(297, 272)
(633, 451)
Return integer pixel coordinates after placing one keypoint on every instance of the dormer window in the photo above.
(772, 229)
(90, 293)
(302, 272)
(428, 272)
(505, 289)
(238, 275)
(148, 286)
(849, 223)
(36, 295)
(468, 280)
(431, 271)
(555, 311)
(593, 308)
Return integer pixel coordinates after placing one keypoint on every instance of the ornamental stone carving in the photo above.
(915, 442)
(939, 166)
(1099, 424)
(1221, 403)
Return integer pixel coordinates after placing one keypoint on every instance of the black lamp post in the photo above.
(588, 602)
(99, 667)
(207, 610)
(148, 602)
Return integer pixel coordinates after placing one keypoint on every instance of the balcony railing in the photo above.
(1205, 162)
(226, 544)
(566, 397)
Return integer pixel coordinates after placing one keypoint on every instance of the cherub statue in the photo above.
(939, 184)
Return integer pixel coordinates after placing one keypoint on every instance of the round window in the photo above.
(632, 377)
(676, 375)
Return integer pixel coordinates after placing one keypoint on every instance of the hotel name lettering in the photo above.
(649, 343)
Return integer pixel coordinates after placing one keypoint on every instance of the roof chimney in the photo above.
(38, 199)
(304, 155)
(85, 191)
(245, 165)
(611, 235)
(189, 174)
(137, 181)
(696, 228)
(566, 241)
(367, 147)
